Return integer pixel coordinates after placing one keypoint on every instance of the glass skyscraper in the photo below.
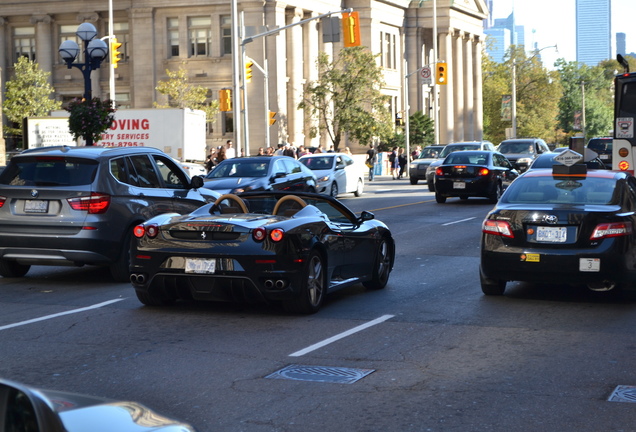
(593, 31)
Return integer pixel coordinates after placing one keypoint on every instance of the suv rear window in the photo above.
(516, 147)
(600, 145)
(49, 171)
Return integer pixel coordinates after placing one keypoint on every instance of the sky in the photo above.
(553, 22)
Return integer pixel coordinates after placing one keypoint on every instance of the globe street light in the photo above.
(95, 51)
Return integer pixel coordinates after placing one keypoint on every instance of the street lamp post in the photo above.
(95, 51)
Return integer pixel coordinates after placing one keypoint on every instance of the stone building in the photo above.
(162, 35)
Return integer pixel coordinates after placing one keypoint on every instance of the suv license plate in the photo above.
(552, 234)
(459, 185)
(200, 265)
(36, 206)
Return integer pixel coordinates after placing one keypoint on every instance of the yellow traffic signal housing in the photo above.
(351, 29)
(225, 100)
(272, 119)
(441, 73)
(114, 52)
(248, 70)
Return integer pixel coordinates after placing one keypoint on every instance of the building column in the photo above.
(479, 106)
(457, 82)
(312, 49)
(412, 44)
(142, 77)
(277, 61)
(3, 53)
(295, 74)
(469, 83)
(44, 43)
(446, 111)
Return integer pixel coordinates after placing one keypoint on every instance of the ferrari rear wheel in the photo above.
(381, 267)
(313, 288)
(13, 269)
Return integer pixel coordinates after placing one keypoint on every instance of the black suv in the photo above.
(603, 147)
(78, 205)
(522, 151)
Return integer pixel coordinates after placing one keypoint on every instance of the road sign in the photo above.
(568, 157)
(425, 74)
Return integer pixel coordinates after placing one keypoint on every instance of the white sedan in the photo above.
(336, 173)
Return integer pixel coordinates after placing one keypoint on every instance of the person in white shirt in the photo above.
(230, 152)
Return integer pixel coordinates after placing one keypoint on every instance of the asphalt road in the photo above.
(429, 352)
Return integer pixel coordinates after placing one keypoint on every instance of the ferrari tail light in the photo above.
(259, 234)
(96, 203)
(276, 234)
(484, 172)
(150, 230)
(496, 227)
(615, 229)
(2, 200)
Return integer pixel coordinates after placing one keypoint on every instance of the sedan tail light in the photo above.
(495, 227)
(484, 172)
(2, 200)
(95, 203)
(615, 229)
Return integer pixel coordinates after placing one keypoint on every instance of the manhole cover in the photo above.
(623, 393)
(321, 374)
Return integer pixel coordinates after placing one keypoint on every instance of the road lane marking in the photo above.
(341, 336)
(47, 317)
(459, 221)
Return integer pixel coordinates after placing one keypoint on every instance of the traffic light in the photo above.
(351, 29)
(225, 100)
(248, 70)
(272, 120)
(114, 52)
(441, 73)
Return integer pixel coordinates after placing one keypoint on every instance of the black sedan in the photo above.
(558, 227)
(546, 160)
(261, 246)
(473, 174)
(237, 175)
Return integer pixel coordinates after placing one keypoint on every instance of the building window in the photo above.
(24, 42)
(67, 32)
(226, 34)
(122, 100)
(200, 32)
(173, 37)
(389, 51)
(120, 31)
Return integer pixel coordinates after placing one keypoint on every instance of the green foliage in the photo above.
(421, 129)
(182, 94)
(28, 94)
(347, 98)
(90, 118)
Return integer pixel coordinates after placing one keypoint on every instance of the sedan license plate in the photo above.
(36, 206)
(604, 157)
(590, 264)
(200, 265)
(552, 234)
(459, 185)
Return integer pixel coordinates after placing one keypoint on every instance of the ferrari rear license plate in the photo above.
(459, 185)
(552, 234)
(36, 206)
(200, 265)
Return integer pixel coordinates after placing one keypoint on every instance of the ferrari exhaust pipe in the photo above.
(138, 278)
(602, 286)
(280, 284)
(133, 278)
(269, 284)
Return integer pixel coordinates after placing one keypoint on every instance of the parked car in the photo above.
(417, 167)
(193, 169)
(603, 147)
(546, 160)
(77, 205)
(473, 174)
(259, 173)
(261, 246)
(27, 409)
(522, 151)
(450, 148)
(569, 226)
(336, 173)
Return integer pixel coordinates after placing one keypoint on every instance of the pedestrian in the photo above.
(302, 151)
(402, 161)
(289, 151)
(230, 152)
(416, 152)
(210, 161)
(394, 163)
(372, 159)
(319, 150)
(331, 150)
(261, 151)
(279, 151)
(220, 155)
(269, 151)
(348, 151)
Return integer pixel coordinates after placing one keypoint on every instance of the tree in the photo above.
(182, 94)
(28, 94)
(90, 118)
(421, 129)
(347, 98)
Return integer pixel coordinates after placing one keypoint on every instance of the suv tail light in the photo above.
(496, 227)
(95, 203)
(615, 229)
